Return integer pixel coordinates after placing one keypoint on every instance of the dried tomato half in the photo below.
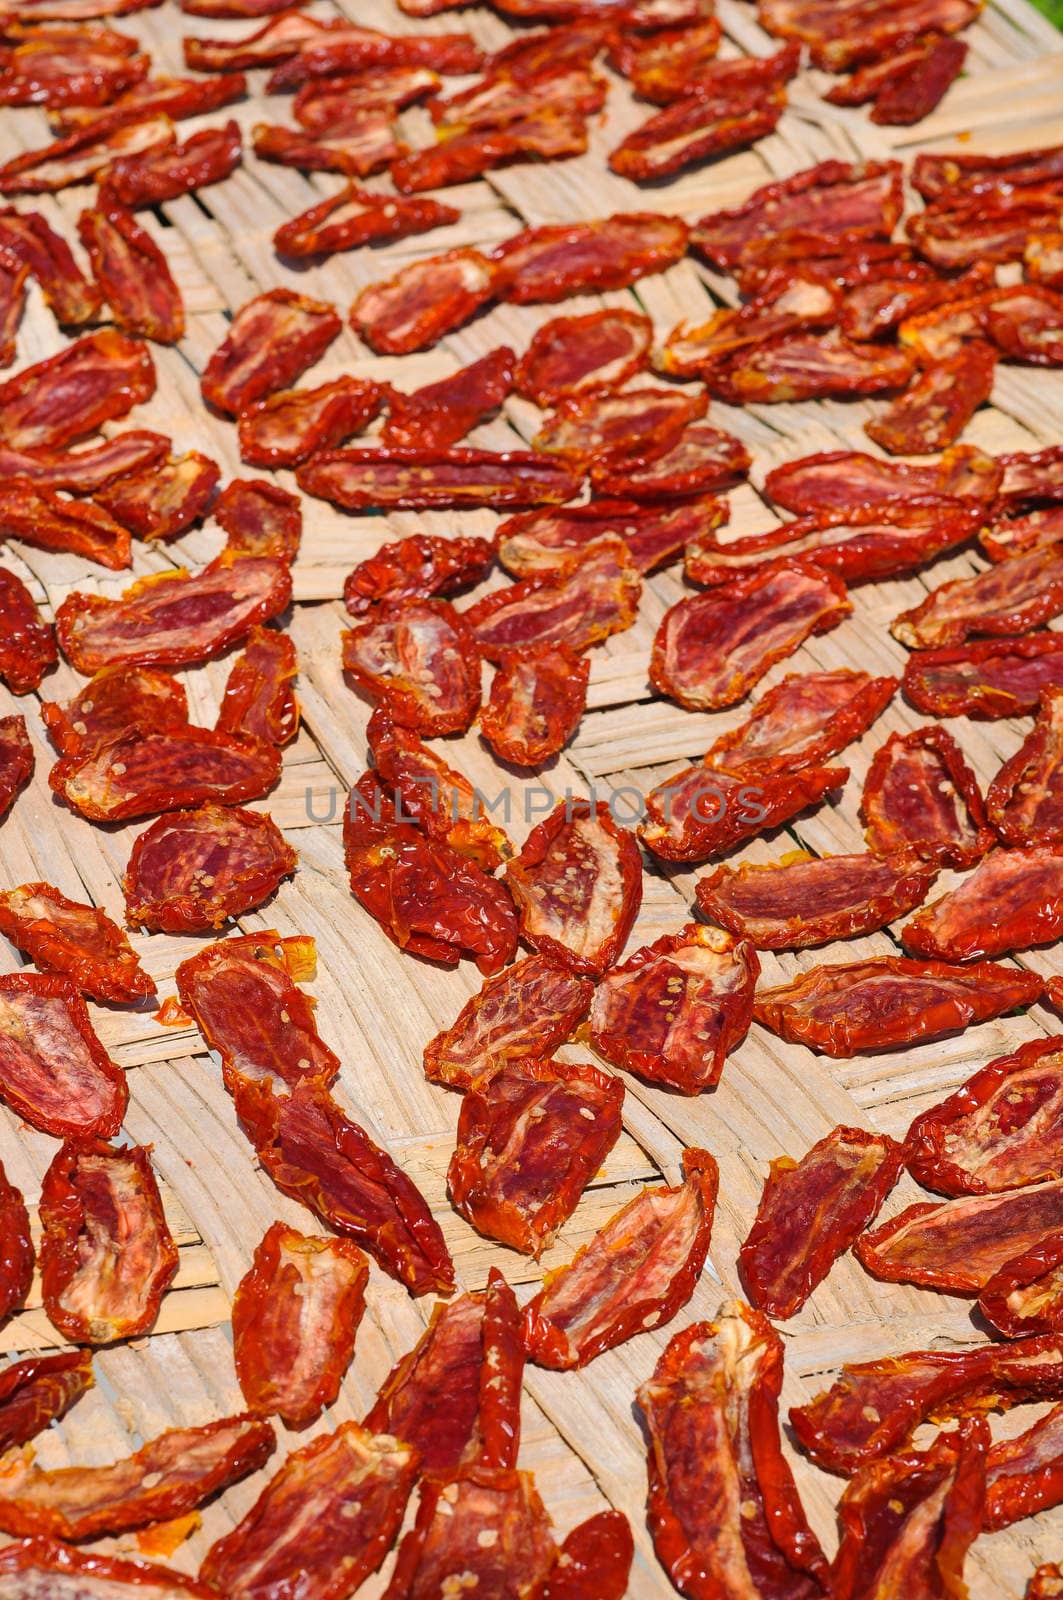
(27, 644)
(259, 701)
(94, 380)
(617, 425)
(16, 1261)
(117, 698)
(419, 658)
(442, 802)
(80, 156)
(39, 1390)
(545, 542)
(107, 1255)
(43, 518)
(552, 262)
(702, 812)
(291, 426)
(589, 600)
(416, 568)
(350, 1487)
(921, 795)
(165, 498)
(702, 460)
(138, 773)
(798, 301)
(1012, 900)
(573, 354)
(992, 678)
(710, 649)
(551, 131)
(170, 619)
(132, 272)
(577, 883)
(271, 340)
(1024, 1475)
(531, 1136)
(456, 1396)
(810, 366)
(26, 238)
(354, 217)
(909, 1521)
(677, 1008)
(423, 301)
(54, 1072)
(86, 470)
(443, 412)
(458, 478)
(274, 41)
(890, 1002)
(295, 1318)
(248, 1008)
(167, 1477)
(874, 1406)
(1011, 597)
(494, 1532)
(522, 1014)
(1026, 1295)
(637, 1272)
(79, 941)
(937, 406)
(537, 698)
(318, 1156)
(260, 518)
(16, 758)
(193, 870)
(811, 1212)
(805, 900)
(849, 480)
(59, 1571)
(835, 201)
(1024, 799)
(158, 175)
(711, 1409)
(709, 122)
(802, 722)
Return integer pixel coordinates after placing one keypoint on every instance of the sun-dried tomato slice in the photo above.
(937, 406)
(167, 1477)
(275, 41)
(295, 1318)
(1026, 324)
(982, 229)
(423, 301)
(288, 427)
(577, 883)
(170, 619)
(355, 217)
(555, 261)
(164, 499)
(471, 1356)
(660, 67)
(803, 302)
(848, 480)
(27, 645)
(570, 355)
(350, 1487)
(318, 1156)
(906, 85)
(805, 900)
(549, 133)
(116, 699)
(704, 458)
(500, 99)
(420, 659)
(260, 519)
(1026, 1295)
(85, 471)
(909, 1521)
(54, 1072)
(339, 49)
(157, 175)
(677, 1008)
(1024, 1475)
(1032, 477)
(80, 156)
(617, 425)
(107, 1256)
(327, 105)
(921, 795)
(16, 1265)
(417, 568)
(876, 308)
(537, 698)
(428, 899)
(990, 679)
(94, 380)
(45, 519)
(531, 1136)
(26, 238)
(522, 1014)
(862, 32)
(1007, 599)
(486, 1525)
(594, 1562)
(890, 1002)
(875, 1405)
(637, 1272)
(16, 758)
(457, 478)
(132, 272)
(710, 649)
(39, 1390)
(836, 200)
(803, 721)
(958, 1245)
(712, 1413)
(271, 340)
(193, 870)
(12, 306)
(1008, 536)
(703, 812)
(46, 1566)
(707, 123)
(810, 366)
(139, 773)
(259, 701)
(177, 98)
(79, 941)
(590, 599)
(1013, 899)
(860, 546)
(247, 1007)
(545, 542)
(363, 147)
(432, 794)
(1023, 802)
(811, 1212)
(998, 1131)
(443, 412)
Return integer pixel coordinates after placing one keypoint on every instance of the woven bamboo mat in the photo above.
(376, 1007)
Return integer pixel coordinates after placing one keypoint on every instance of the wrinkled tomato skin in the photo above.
(62, 1569)
(523, 1013)
(16, 1255)
(259, 700)
(79, 941)
(27, 645)
(54, 1071)
(536, 700)
(243, 853)
(137, 774)
(16, 758)
(920, 795)
(417, 568)
(1025, 1297)
(94, 380)
(271, 340)
(419, 658)
(39, 1390)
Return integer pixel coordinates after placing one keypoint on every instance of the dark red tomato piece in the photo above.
(677, 1008)
(702, 460)
(541, 542)
(363, 145)
(94, 380)
(937, 406)
(39, 1390)
(591, 598)
(457, 478)
(1025, 799)
(16, 1258)
(60, 1571)
(204, 158)
(419, 658)
(1026, 1295)
(811, 1212)
(354, 217)
(1024, 1475)
(572, 354)
(290, 426)
(271, 340)
(494, 1532)
(701, 812)
(54, 1072)
(165, 498)
(27, 239)
(416, 568)
(86, 470)
(16, 758)
(117, 698)
(849, 480)
(705, 124)
(802, 722)
(537, 698)
(531, 1136)
(1012, 900)
(132, 272)
(445, 411)
(27, 644)
(521, 1014)
(137, 773)
(193, 870)
(81, 156)
(424, 301)
(259, 701)
(613, 426)
(552, 262)
(1011, 597)
(260, 518)
(79, 941)
(920, 795)
(47, 520)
